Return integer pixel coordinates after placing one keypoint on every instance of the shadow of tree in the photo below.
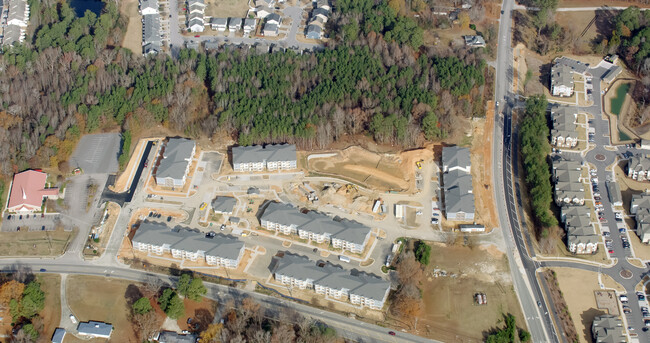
(132, 294)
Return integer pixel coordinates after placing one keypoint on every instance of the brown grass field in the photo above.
(35, 243)
(133, 35)
(449, 313)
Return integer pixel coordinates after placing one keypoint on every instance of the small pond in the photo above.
(81, 6)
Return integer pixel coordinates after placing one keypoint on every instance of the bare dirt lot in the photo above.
(614, 3)
(133, 36)
(450, 313)
(35, 243)
(384, 172)
(482, 176)
(578, 288)
(101, 299)
(226, 8)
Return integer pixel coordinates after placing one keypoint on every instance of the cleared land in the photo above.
(102, 299)
(578, 288)
(226, 8)
(384, 172)
(133, 37)
(590, 3)
(51, 314)
(35, 243)
(575, 23)
(450, 313)
(97, 249)
(482, 177)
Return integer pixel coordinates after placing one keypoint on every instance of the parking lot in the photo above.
(32, 222)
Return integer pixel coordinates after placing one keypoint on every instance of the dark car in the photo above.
(43, 270)
(169, 218)
(392, 333)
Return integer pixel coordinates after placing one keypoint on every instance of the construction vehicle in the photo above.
(350, 187)
(419, 164)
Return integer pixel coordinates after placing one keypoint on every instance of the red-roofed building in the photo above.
(28, 190)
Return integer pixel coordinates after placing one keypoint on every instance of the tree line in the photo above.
(71, 78)
(534, 148)
(24, 301)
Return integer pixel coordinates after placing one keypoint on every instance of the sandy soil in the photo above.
(377, 171)
(133, 35)
(481, 155)
(35, 243)
(450, 313)
(124, 180)
(111, 307)
(578, 288)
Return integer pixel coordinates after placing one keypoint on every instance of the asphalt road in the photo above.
(347, 327)
(522, 268)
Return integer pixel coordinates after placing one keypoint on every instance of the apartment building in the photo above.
(608, 328)
(359, 288)
(268, 157)
(315, 226)
(581, 235)
(188, 244)
(457, 184)
(174, 162)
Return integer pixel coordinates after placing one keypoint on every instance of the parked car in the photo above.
(73, 319)
(621, 230)
(392, 333)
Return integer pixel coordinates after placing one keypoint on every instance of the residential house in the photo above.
(29, 191)
(315, 226)
(268, 3)
(274, 18)
(188, 244)
(317, 22)
(474, 41)
(457, 184)
(174, 163)
(561, 80)
(321, 13)
(640, 207)
(569, 190)
(148, 7)
(608, 329)
(174, 337)
(313, 32)
(564, 132)
(219, 24)
(249, 25)
(59, 335)
(359, 288)
(324, 4)
(644, 144)
(611, 74)
(211, 45)
(269, 157)
(270, 30)
(261, 12)
(234, 24)
(614, 193)
(95, 329)
(196, 23)
(638, 168)
(224, 205)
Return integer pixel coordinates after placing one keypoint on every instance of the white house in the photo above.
(148, 7)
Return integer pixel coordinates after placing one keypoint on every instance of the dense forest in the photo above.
(70, 77)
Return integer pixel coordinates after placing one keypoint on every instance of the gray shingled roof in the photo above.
(329, 275)
(249, 22)
(236, 22)
(151, 28)
(273, 17)
(320, 11)
(313, 30)
(174, 337)
(149, 4)
(638, 163)
(611, 74)
(614, 192)
(561, 75)
(219, 21)
(95, 328)
(224, 204)
(182, 238)
(177, 153)
(458, 196)
(316, 222)
(271, 28)
(454, 156)
(11, 35)
(268, 153)
(608, 329)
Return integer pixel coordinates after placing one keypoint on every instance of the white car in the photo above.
(73, 319)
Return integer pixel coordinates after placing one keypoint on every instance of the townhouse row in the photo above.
(315, 226)
(188, 244)
(359, 288)
(564, 133)
(15, 18)
(640, 207)
(569, 192)
(151, 27)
